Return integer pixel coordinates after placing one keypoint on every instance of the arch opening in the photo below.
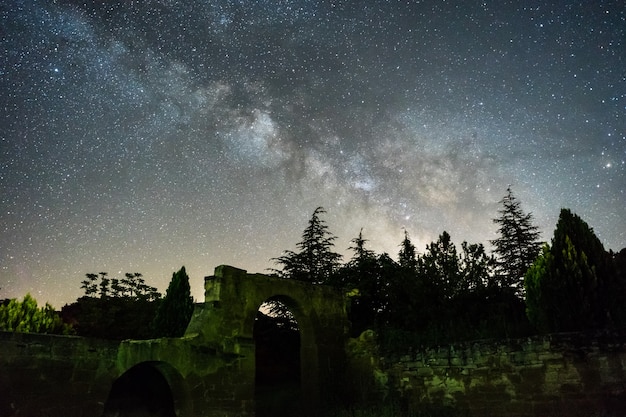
(278, 387)
(142, 391)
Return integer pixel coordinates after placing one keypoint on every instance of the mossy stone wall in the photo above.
(557, 375)
(47, 375)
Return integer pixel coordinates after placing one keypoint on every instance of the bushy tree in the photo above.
(89, 284)
(440, 263)
(475, 266)
(449, 296)
(24, 316)
(113, 308)
(568, 285)
(131, 286)
(176, 308)
(315, 262)
(518, 244)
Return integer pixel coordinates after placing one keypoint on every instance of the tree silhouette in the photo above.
(407, 257)
(440, 263)
(113, 308)
(315, 262)
(567, 286)
(364, 274)
(518, 244)
(175, 310)
(89, 285)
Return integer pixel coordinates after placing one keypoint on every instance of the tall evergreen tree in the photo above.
(363, 273)
(567, 286)
(407, 257)
(176, 308)
(518, 244)
(361, 254)
(440, 263)
(315, 262)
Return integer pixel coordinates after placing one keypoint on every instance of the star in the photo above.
(141, 139)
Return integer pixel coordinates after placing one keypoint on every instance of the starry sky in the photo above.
(140, 136)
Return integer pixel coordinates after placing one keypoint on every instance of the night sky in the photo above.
(141, 136)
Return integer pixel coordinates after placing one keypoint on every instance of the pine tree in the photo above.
(176, 308)
(315, 262)
(361, 254)
(518, 244)
(407, 257)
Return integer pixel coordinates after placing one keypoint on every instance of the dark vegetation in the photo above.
(448, 294)
(444, 294)
(128, 308)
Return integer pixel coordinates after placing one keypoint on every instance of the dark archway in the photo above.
(278, 387)
(141, 391)
(226, 322)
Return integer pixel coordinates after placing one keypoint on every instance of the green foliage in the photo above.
(315, 262)
(518, 244)
(24, 316)
(571, 285)
(174, 312)
(536, 298)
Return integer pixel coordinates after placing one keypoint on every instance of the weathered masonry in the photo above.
(212, 370)
(209, 372)
(557, 375)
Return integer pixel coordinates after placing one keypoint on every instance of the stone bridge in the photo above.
(211, 371)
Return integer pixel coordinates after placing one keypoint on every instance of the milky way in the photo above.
(143, 136)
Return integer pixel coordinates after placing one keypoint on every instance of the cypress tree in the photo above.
(176, 308)
(567, 285)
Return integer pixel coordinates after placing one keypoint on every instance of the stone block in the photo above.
(425, 371)
(549, 356)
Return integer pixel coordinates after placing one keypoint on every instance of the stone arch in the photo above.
(308, 330)
(279, 367)
(150, 388)
(226, 319)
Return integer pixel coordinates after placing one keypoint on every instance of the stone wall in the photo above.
(210, 372)
(47, 375)
(556, 375)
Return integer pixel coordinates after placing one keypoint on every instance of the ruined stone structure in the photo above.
(566, 375)
(209, 372)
